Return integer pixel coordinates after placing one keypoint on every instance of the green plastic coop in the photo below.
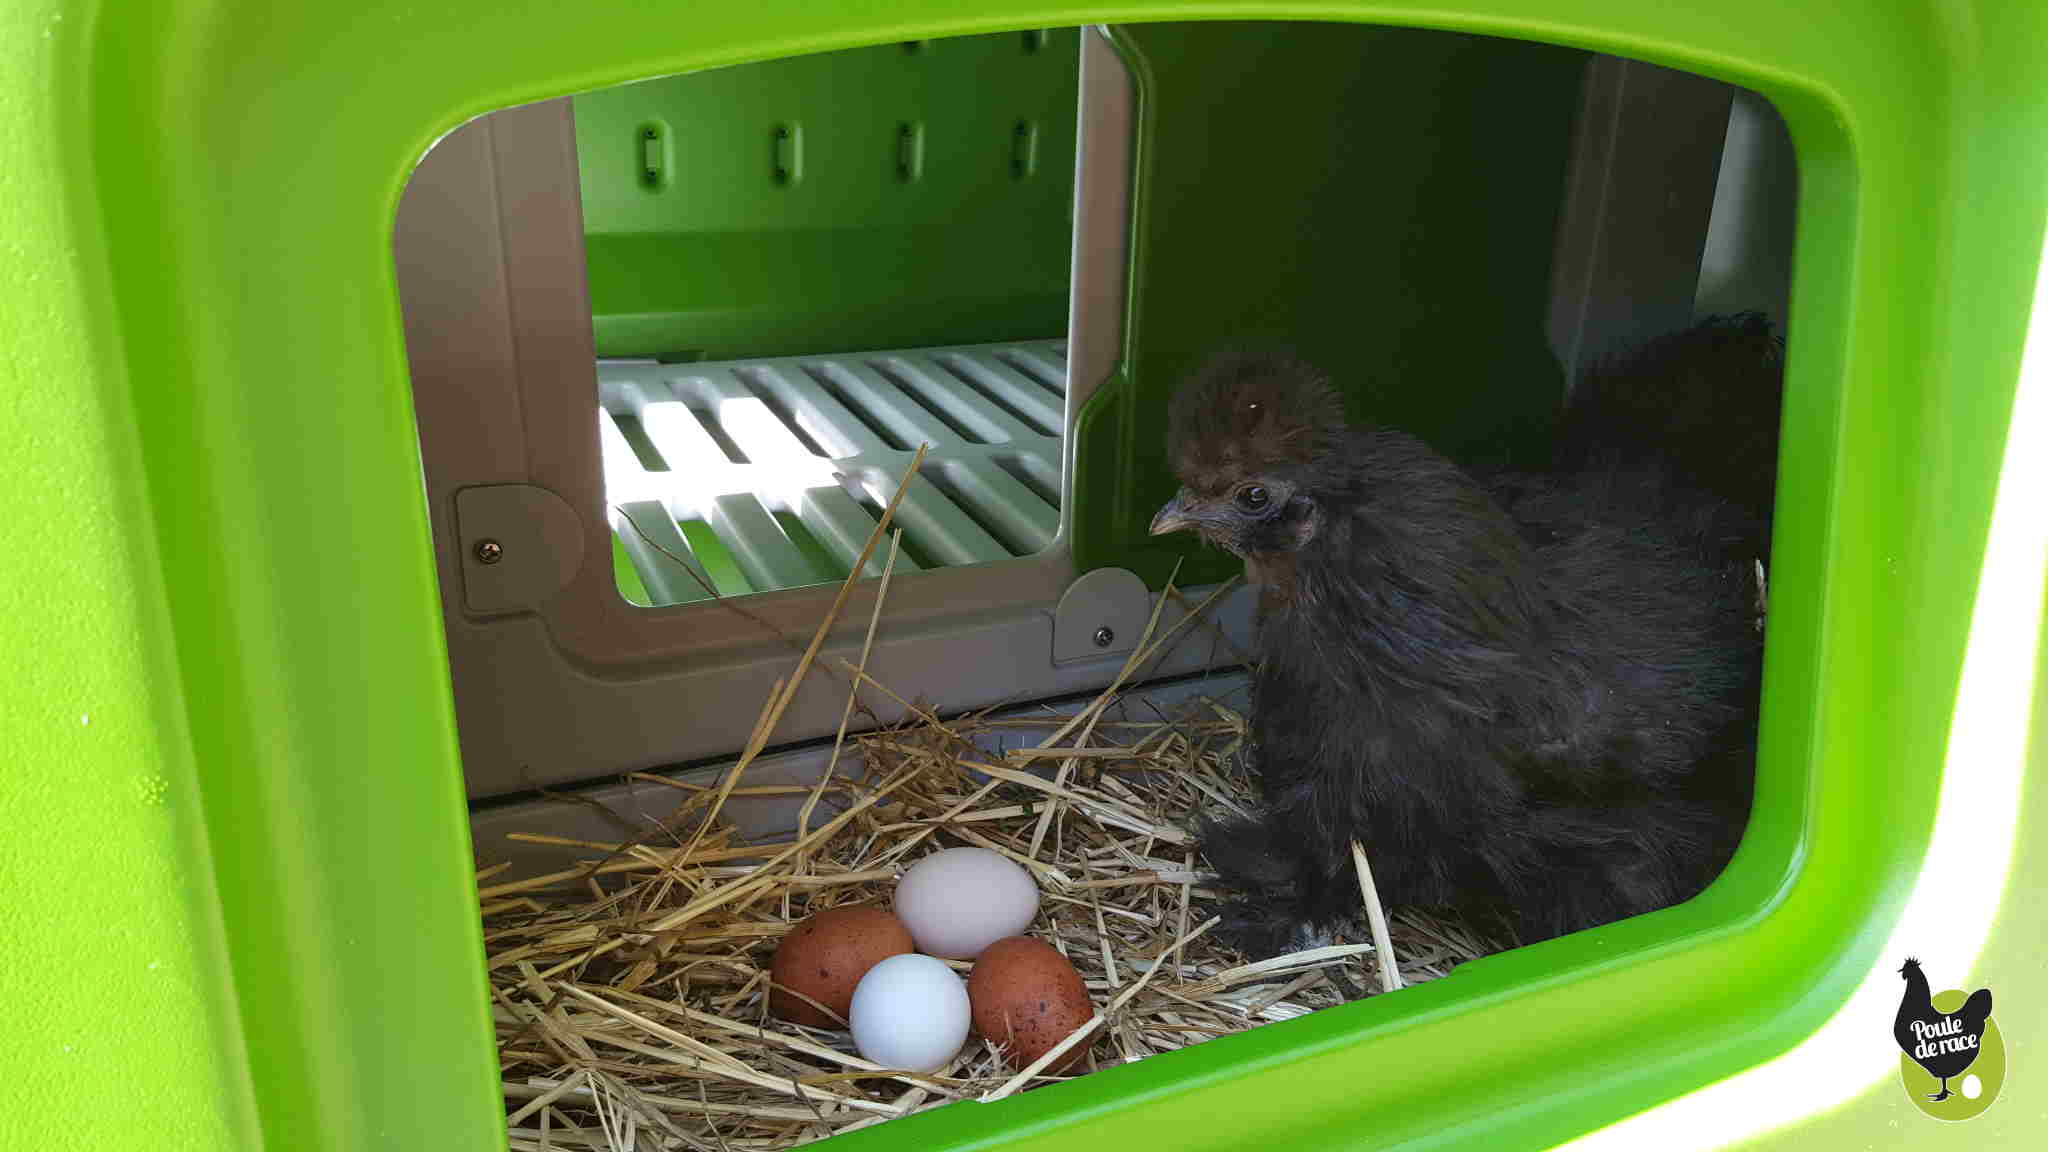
(237, 874)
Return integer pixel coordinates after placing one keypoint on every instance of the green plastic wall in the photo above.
(903, 195)
(1382, 201)
(234, 858)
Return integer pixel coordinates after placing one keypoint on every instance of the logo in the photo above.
(1951, 1055)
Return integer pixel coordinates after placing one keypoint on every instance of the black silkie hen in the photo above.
(1532, 696)
(1698, 407)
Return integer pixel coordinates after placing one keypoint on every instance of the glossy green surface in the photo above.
(922, 194)
(218, 550)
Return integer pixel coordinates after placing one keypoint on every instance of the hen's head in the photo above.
(1244, 435)
(1911, 965)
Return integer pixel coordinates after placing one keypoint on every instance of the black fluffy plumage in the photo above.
(1527, 695)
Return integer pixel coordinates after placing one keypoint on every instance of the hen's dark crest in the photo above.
(1245, 414)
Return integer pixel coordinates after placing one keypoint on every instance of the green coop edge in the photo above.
(320, 886)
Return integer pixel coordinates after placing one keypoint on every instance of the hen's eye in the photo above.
(1253, 498)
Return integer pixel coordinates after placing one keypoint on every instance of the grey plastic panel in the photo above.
(584, 686)
(518, 546)
(1103, 612)
(1747, 265)
(637, 805)
(1638, 199)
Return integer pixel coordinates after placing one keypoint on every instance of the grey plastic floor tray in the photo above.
(636, 806)
(783, 464)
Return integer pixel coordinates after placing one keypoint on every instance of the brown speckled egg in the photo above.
(1027, 998)
(825, 956)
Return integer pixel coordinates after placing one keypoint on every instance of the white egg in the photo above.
(962, 900)
(910, 1012)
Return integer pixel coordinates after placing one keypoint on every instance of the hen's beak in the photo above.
(1178, 514)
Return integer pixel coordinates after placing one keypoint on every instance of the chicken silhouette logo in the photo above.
(1942, 1037)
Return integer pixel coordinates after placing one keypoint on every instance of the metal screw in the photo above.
(1104, 637)
(489, 551)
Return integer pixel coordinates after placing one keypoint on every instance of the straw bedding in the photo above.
(630, 993)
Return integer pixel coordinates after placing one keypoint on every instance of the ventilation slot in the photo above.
(944, 530)
(1034, 473)
(913, 549)
(714, 427)
(1044, 371)
(1010, 391)
(828, 377)
(760, 381)
(1002, 505)
(930, 395)
(643, 448)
